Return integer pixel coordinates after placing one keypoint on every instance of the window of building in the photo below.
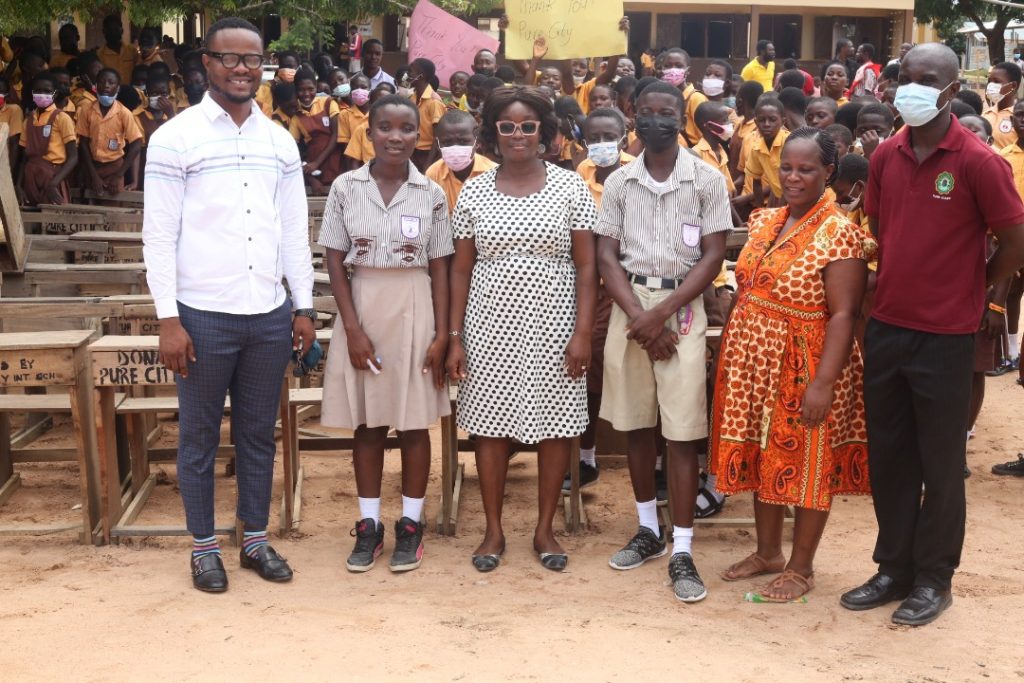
(784, 30)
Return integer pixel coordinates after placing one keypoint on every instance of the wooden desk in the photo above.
(120, 362)
(51, 359)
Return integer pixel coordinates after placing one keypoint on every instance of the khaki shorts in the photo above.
(637, 390)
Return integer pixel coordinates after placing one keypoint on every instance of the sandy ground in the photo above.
(127, 612)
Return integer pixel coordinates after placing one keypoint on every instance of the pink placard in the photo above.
(446, 40)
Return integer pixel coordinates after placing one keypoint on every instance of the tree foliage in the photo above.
(313, 18)
(947, 14)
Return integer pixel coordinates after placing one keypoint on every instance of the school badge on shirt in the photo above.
(46, 130)
(944, 183)
(1005, 126)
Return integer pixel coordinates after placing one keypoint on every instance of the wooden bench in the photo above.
(50, 359)
(126, 482)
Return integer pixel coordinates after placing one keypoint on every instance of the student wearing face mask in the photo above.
(661, 240)
(605, 137)
(716, 130)
(1000, 96)
(355, 116)
(48, 145)
(157, 109)
(933, 193)
(874, 125)
(109, 139)
(341, 89)
(456, 138)
(673, 67)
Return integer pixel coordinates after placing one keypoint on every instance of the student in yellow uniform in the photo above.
(287, 65)
(83, 90)
(49, 147)
(350, 119)
(62, 79)
(602, 97)
(11, 114)
(762, 169)
(315, 128)
(673, 67)
(1001, 94)
(1014, 154)
(30, 65)
(116, 55)
(716, 130)
(422, 77)
(746, 101)
(456, 138)
(834, 82)
(286, 104)
(360, 148)
(149, 47)
(604, 133)
(109, 138)
(68, 37)
(157, 109)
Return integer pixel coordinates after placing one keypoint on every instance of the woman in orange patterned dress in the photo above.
(788, 418)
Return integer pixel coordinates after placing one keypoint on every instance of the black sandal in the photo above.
(707, 505)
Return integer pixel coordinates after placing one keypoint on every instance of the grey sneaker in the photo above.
(642, 547)
(369, 545)
(686, 582)
(408, 545)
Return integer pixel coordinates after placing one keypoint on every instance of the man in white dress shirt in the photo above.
(225, 219)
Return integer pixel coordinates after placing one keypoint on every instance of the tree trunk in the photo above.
(996, 37)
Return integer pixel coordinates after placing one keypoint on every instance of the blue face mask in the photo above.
(917, 104)
(106, 100)
(729, 102)
(342, 90)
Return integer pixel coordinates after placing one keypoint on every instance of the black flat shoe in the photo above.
(268, 564)
(879, 590)
(208, 573)
(922, 606)
(554, 561)
(487, 563)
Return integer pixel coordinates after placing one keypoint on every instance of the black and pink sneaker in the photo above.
(369, 545)
(408, 545)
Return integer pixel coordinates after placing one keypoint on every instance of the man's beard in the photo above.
(237, 99)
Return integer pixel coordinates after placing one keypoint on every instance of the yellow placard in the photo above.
(573, 28)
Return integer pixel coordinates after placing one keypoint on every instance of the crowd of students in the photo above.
(505, 175)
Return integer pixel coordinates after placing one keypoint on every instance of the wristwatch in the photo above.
(307, 313)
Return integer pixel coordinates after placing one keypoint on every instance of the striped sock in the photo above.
(204, 546)
(253, 541)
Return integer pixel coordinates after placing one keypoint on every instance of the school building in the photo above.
(728, 30)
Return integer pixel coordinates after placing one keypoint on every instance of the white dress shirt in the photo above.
(381, 76)
(225, 214)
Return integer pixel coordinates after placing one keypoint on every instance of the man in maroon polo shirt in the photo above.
(933, 190)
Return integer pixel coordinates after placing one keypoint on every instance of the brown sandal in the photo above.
(761, 567)
(804, 583)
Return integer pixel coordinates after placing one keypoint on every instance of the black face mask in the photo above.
(484, 72)
(659, 133)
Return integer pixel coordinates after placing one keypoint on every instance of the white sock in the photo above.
(589, 456)
(412, 508)
(682, 540)
(648, 513)
(657, 464)
(710, 486)
(369, 507)
(1014, 346)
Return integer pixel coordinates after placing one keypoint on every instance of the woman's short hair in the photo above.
(504, 97)
(826, 147)
(393, 100)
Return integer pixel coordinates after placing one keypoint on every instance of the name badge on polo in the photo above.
(944, 184)
(691, 235)
(326, 121)
(410, 227)
(46, 130)
(1005, 126)
(112, 145)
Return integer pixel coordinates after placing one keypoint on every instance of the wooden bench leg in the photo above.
(110, 474)
(137, 428)
(574, 509)
(88, 458)
(451, 475)
(6, 458)
(289, 442)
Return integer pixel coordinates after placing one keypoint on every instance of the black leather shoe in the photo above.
(922, 606)
(208, 573)
(267, 563)
(879, 590)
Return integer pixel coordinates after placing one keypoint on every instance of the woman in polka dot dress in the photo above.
(523, 288)
(788, 413)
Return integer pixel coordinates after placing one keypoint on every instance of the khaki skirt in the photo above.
(396, 311)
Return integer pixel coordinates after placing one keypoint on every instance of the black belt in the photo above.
(653, 282)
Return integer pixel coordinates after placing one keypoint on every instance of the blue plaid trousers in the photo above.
(246, 355)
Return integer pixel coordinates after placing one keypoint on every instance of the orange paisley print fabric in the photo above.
(770, 349)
